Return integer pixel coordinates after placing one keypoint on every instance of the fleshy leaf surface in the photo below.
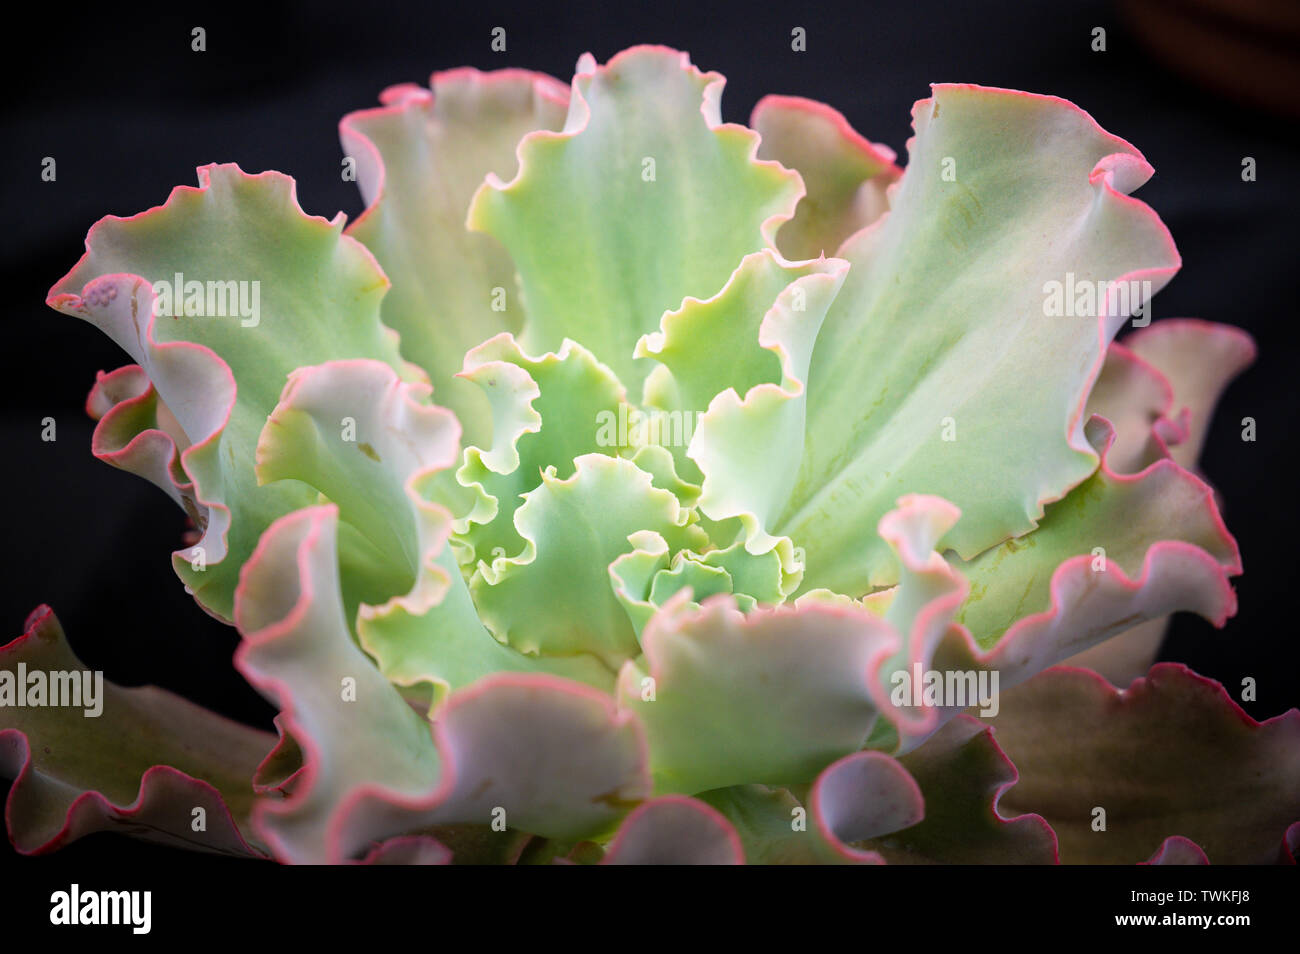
(675, 830)
(938, 369)
(138, 433)
(1029, 604)
(357, 734)
(846, 176)
(311, 295)
(773, 696)
(1137, 401)
(556, 597)
(382, 471)
(854, 801)
(140, 766)
(547, 412)
(1110, 527)
(962, 773)
(420, 157)
(1199, 359)
(540, 754)
(739, 363)
(1151, 422)
(1171, 755)
(644, 198)
(861, 797)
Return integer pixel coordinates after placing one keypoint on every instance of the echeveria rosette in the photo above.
(504, 621)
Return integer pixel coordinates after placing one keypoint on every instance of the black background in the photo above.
(128, 111)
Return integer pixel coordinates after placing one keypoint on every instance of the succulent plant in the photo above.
(629, 486)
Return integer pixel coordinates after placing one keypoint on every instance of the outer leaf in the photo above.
(1140, 401)
(771, 697)
(410, 850)
(675, 830)
(603, 248)
(1177, 850)
(1137, 401)
(1131, 519)
(862, 797)
(963, 773)
(319, 298)
(1028, 605)
(847, 178)
(922, 605)
(420, 157)
(945, 302)
(1199, 359)
(541, 754)
(140, 768)
(1173, 754)
(138, 433)
(1134, 397)
(299, 652)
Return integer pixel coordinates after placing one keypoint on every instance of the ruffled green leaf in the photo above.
(556, 597)
(382, 472)
(217, 365)
(547, 411)
(419, 159)
(138, 433)
(299, 651)
(772, 696)
(739, 361)
(1137, 401)
(1109, 522)
(939, 368)
(648, 576)
(1160, 396)
(644, 198)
